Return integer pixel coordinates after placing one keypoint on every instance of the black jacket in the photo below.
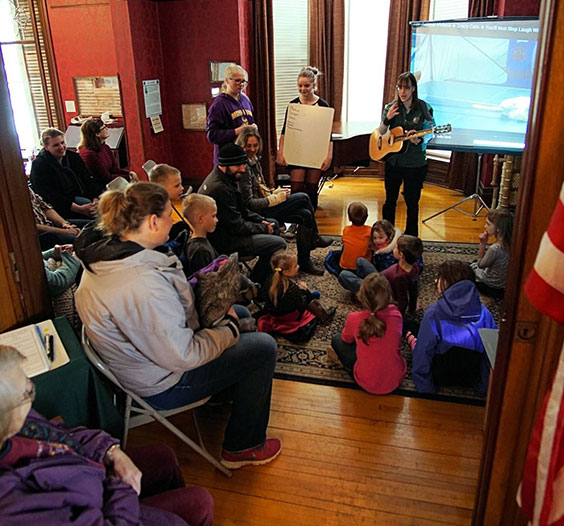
(295, 298)
(59, 183)
(236, 222)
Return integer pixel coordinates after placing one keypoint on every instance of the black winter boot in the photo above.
(322, 314)
(303, 242)
(309, 267)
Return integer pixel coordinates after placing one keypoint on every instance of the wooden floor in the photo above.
(450, 226)
(349, 458)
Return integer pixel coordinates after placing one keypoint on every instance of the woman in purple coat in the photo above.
(231, 110)
(51, 475)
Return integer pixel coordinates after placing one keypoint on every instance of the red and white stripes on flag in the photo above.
(542, 489)
(545, 284)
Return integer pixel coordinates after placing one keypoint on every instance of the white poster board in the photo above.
(308, 132)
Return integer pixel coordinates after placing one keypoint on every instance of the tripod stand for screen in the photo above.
(479, 203)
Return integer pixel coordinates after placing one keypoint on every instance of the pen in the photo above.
(49, 347)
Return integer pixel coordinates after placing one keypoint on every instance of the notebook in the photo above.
(33, 342)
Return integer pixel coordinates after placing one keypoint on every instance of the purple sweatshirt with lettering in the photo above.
(226, 114)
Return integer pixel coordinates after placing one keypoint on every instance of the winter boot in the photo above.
(303, 242)
(322, 314)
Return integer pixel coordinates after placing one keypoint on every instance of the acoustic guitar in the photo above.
(393, 141)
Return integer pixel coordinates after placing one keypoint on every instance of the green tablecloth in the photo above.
(75, 391)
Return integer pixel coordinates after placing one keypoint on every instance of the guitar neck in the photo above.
(415, 135)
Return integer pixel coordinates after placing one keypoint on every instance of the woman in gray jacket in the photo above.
(139, 313)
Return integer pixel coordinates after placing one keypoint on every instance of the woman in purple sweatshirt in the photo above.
(51, 475)
(230, 112)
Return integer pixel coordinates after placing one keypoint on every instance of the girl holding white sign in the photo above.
(306, 179)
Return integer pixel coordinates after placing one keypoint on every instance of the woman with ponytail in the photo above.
(139, 313)
(368, 347)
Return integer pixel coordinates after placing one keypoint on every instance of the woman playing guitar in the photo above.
(410, 166)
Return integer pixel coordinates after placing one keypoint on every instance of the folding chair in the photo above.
(147, 413)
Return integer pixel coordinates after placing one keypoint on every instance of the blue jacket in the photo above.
(452, 321)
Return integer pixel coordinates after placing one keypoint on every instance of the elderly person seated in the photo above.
(60, 177)
(53, 475)
(97, 155)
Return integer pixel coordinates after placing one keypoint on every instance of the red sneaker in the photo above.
(256, 456)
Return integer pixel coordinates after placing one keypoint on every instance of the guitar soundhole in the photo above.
(379, 142)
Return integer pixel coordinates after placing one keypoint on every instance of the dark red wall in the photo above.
(140, 58)
(197, 31)
(518, 7)
(81, 49)
(126, 37)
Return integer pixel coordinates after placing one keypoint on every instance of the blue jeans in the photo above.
(248, 368)
(353, 280)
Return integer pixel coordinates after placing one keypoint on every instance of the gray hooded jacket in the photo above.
(139, 314)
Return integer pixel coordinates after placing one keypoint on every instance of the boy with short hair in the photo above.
(404, 275)
(200, 211)
(170, 179)
(356, 237)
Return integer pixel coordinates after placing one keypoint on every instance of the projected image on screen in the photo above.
(477, 75)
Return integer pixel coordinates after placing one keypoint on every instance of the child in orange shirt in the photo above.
(356, 237)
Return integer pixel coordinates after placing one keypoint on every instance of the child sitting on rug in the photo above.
(383, 240)
(291, 309)
(368, 347)
(448, 349)
(356, 238)
(200, 211)
(404, 275)
(492, 264)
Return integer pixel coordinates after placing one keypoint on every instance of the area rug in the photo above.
(308, 362)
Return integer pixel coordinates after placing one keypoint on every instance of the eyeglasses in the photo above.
(404, 87)
(29, 394)
(239, 81)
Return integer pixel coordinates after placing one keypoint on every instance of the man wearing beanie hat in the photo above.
(238, 228)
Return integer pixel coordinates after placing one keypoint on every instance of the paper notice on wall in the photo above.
(308, 132)
(157, 124)
(152, 96)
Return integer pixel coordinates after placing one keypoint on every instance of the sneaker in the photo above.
(256, 456)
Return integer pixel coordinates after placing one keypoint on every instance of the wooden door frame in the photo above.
(23, 280)
(525, 364)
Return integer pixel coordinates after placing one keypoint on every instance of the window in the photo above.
(366, 37)
(30, 82)
(95, 95)
(291, 51)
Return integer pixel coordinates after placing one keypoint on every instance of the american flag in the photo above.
(541, 495)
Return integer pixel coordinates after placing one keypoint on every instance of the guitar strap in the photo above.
(425, 110)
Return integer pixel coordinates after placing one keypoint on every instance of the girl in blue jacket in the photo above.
(449, 350)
